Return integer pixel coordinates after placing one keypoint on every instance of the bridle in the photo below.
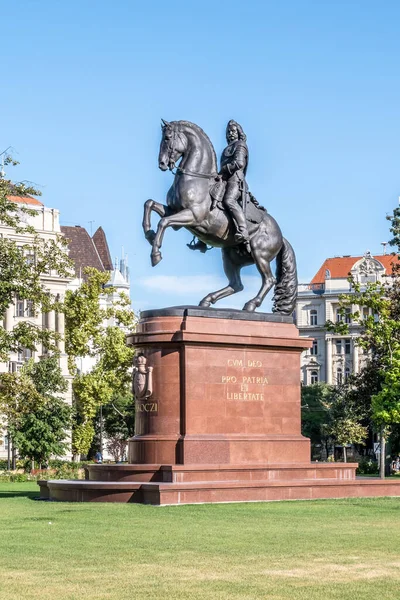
(171, 164)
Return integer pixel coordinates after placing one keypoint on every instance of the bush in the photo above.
(73, 466)
(62, 472)
(367, 466)
(14, 477)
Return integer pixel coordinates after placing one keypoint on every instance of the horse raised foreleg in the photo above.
(232, 271)
(184, 218)
(160, 209)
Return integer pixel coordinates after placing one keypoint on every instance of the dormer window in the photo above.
(327, 274)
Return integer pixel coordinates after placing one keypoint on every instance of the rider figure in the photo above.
(231, 184)
(234, 162)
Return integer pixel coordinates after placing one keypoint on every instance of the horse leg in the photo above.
(232, 271)
(160, 209)
(184, 218)
(262, 257)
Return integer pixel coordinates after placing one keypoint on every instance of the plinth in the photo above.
(226, 389)
(217, 418)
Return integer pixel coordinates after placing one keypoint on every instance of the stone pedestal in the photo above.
(226, 389)
(217, 418)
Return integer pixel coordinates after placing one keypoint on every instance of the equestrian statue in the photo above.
(220, 211)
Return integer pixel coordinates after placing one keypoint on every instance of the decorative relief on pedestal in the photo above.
(142, 378)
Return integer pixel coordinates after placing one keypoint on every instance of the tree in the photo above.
(89, 334)
(314, 413)
(37, 417)
(345, 418)
(118, 423)
(334, 415)
(379, 338)
(23, 262)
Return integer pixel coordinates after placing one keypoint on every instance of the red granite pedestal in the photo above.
(223, 421)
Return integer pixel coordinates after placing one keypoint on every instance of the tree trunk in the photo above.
(13, 458)
(382, 455)
(344, 454)
(8, 452)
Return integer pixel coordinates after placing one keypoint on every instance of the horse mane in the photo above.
(199, 130)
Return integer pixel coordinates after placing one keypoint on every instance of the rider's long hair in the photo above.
(241, 133)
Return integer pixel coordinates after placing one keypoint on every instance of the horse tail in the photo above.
(285, 295)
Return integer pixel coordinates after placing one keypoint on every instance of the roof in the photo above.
(25, 200)
(339, 267)
(118, 280)
(82, 249)
(100, 241)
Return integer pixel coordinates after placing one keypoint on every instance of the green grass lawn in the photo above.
(320, 550)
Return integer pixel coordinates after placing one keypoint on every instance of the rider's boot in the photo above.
(241, 235)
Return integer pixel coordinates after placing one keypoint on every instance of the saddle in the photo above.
(253, 210)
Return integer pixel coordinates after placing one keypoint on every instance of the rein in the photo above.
(180, 171)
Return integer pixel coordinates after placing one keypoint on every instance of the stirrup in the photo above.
(199, 245)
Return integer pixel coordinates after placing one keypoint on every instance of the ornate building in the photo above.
(333, 357)
(87, 251)
(47, 225)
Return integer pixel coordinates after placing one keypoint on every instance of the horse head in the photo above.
(172, 145)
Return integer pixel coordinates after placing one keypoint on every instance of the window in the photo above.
(346, 373)
(327, 274)
(314, 348)
(19, 307)
(338, 346)
(24, 308)
(24, 354)
(30, 258)
(14, 366)
(30, 311)
(347, 346)
(365, 312)
(313, 317)
(339, 376)
(314, 377)
(347, 315)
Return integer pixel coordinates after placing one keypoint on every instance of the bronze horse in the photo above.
(189, 205)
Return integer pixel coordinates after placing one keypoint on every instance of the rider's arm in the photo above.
(237, 163)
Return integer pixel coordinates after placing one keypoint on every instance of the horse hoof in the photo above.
(155, 258)
(205, 303)
(250, 306)
(150, 236)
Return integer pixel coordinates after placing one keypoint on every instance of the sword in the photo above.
(244, 203)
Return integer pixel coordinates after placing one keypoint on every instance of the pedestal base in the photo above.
(220, 421)
(179, 484)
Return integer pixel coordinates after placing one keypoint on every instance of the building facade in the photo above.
(85, 251)
(93, 251)
(47, 225)
(332, 357)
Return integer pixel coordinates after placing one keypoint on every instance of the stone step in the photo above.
(186, 473)
(161, 493)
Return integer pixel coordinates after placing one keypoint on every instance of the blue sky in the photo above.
(314, 84)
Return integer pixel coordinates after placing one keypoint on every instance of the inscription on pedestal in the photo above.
(245, 387)
(147, 407)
